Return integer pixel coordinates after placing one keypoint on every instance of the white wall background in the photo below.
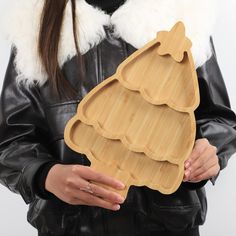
(221, 197)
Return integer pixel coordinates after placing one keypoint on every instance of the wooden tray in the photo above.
(112, 158)
(142, 114)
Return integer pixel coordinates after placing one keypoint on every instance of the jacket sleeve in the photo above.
(215, 119)
(23, 135)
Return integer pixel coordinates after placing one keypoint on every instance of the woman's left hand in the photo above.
(202, 163)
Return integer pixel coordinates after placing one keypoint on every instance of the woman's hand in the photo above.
(71, 184)
(202, 163)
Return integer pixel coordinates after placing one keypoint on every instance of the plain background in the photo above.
(221, 197)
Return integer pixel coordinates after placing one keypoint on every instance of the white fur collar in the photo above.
(137, 22)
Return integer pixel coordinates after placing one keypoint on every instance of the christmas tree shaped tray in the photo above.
(148, 108)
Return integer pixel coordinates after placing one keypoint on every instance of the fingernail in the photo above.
(187, 173)
(116, 207)
(120, 185)
(120, 199)
(187, 164)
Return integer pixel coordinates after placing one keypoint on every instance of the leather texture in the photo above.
(32, 123)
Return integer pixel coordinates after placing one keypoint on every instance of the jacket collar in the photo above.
(136, 22)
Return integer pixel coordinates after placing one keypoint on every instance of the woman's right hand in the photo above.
(71, 184)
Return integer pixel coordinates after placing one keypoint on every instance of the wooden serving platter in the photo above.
(140, 123)
(111, 157)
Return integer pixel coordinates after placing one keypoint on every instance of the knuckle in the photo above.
(67, 190)
(78, 169)
(69, 181)
(214, 149)
(205, 140)
(75, 168)
(198, 141)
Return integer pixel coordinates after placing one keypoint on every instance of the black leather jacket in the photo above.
(32, 123)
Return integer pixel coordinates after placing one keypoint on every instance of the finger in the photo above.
(199, 147)
(90, 174)
(76, 182)
(99, 191)
(207, 175)
(204, 161)
(81, 184)
(187, 164)
(186, 175)
(194, 166)
(201, 160)
(92, 200)
(106, 194)
(77, 201)
(204, 168)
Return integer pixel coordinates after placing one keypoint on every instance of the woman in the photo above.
(61, 50)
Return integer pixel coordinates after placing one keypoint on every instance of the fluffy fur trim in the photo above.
(22, 29)
(136, 22)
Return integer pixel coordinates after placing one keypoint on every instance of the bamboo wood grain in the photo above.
(113, 158)
(119, 113)
(140, 122)
(158, 78)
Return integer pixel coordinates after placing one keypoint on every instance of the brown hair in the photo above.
(49, 38)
